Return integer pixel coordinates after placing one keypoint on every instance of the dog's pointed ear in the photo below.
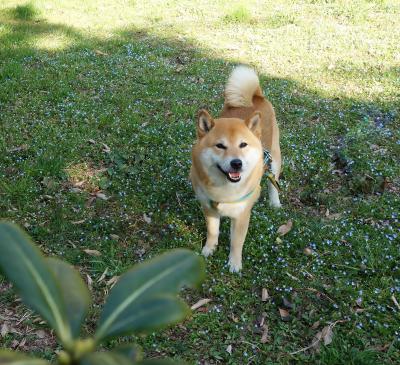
(253, 122)
(204, 123)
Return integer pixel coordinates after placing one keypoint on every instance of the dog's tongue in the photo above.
(234, 175)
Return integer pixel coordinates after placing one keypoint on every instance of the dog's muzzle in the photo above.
(232, 176)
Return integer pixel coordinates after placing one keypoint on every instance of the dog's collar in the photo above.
(214, 204)
(267, 168)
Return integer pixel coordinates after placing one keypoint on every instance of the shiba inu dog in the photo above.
(228, 160)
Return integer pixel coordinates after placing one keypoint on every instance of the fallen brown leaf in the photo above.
(22, 147)
(103, 275)
(285, 316)
(265, 335)
(100, 53)
(264, 295)
(112, 281)
(101, 196)
(394, 300)
(200, 303)
(315, 325)
(327, 334)
(285, 228)
(106, 148)
(92, 252)
(4, 330)
(146, 218)
(40, 334)
(308, 251)
(89, 281)
(333, 216)
(79, 222)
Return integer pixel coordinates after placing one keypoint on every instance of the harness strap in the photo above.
(267, 168)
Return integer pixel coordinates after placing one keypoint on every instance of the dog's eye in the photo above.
(243, 145)
(221, 146)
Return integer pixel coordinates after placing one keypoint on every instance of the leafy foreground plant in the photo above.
(143, 299)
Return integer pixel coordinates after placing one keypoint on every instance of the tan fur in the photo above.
(240, 121)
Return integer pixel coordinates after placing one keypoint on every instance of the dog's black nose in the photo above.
(236, 164)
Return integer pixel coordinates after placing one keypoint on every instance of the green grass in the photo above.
(238, 14)
(102, 96)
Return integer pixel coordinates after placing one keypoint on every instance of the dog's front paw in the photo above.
(275, 204)
(235, 265)
(207, 250)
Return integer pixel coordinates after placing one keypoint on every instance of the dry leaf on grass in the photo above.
(146, 218)
(106, 149)
(23, 147)
(394, 300)
(79, 222)
(308, 251)
(264, 295)
(265, 334)
(325, 335)
(40, 334)
(89, 281)
(285, 316)
(100, 53)
(112, 281)
(200, 303)
(101, 196)
(315, 325)
(333, 216)
(285, 228)
(92, 252)
(103, 275)
(4, 330)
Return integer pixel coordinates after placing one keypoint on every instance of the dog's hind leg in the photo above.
(272, 190)
(212, 221)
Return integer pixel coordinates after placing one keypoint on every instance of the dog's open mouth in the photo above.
(232, 176)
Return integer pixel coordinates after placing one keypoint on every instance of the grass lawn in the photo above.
(97, 106)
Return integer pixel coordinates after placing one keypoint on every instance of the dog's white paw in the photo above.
(275, 203)
(235, 265)
(207, 250)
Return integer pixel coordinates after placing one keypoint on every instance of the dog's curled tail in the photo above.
(242, 85)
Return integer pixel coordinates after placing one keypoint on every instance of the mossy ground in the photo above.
(101, 97)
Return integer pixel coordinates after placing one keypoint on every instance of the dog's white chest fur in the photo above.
(225, 209)
(232, 210)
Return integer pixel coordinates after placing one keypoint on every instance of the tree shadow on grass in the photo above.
(116, 116)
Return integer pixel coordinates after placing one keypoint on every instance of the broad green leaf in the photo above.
(105, 358)
(132, 352)
(157, 312)
(163, 275)
(23, 264)
(15, 358)
(74, 292)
